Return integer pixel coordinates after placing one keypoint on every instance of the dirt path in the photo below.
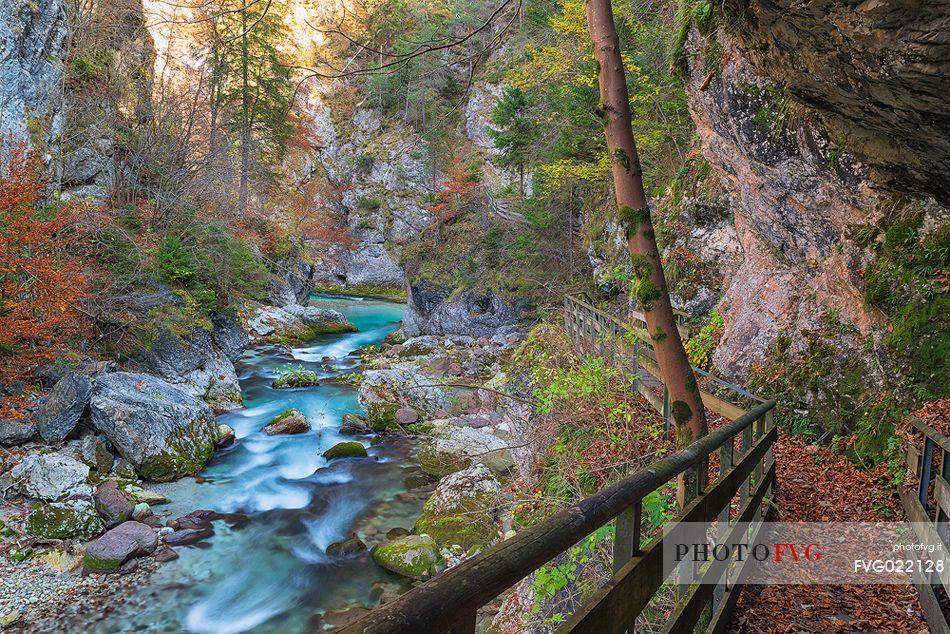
(816, 485)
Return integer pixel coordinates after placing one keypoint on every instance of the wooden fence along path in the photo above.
(746, 473)
(928, 510)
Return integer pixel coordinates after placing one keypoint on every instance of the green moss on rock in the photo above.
(295, 377)
(463, 530)
(382, 417)
(413, 556)
(74, 519)
(348, 449)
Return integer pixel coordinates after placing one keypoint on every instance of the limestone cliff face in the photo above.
(380, 172)
(876, 70)
(771, 122)
(33, 45)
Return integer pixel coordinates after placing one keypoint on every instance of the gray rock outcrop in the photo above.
(16, 432)
(64, 405)
(435, 310)
(197, 366)
(163, 431)
(51, 476)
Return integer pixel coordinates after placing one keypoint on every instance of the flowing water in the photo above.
(272, 574)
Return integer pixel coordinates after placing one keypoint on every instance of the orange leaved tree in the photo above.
(41, 283)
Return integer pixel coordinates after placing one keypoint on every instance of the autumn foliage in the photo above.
(42, 284)
(456, 192)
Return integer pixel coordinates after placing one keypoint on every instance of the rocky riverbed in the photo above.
(301, 482)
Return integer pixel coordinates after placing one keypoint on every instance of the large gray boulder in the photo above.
(454, 448)
(16, 432)
(125, 541)
(196, 365)
(63, 407)
(51, 476)
(437, 310)
(231, 338)
(298, 323)
(160, 429)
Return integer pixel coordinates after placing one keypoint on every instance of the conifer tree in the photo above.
(514, 131)
(251, 88)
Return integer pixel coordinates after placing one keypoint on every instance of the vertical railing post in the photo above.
(942, 518)
(666, 411)
(627, 535)
(925, 465)
(746, 446)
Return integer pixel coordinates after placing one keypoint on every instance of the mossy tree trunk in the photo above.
(648, 283)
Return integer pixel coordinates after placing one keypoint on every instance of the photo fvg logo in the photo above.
(778, 553)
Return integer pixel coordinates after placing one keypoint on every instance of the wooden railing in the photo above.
(929, 520)
(627, 345)
(746, 472)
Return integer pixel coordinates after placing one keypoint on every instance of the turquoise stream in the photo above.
(272, 574)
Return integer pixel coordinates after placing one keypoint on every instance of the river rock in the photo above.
(51, 476)
(188, 536)
(291, 421)
(348, 449)
(461, 510)
(16, 432)
(438, 310)
(454, 448)
(384, 391)
(406, 415)
(141, 512)
(118, 545)
(72, 519)
(298, 323)
(230, 337)
(295, 377)
(94, 451)
(225, 437)
(191, 362)
(161, 430)
(413, 556)
(354, 424)
(63, 407)
(347, 547)
(113, 504)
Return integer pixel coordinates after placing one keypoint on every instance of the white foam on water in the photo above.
(239, 603)
(339, 515)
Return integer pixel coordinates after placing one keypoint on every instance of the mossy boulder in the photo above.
(124, 542)
(413, 556)
(461, 510)
(454, 448)
(348, 449)
(295, 377)
(352, 546)
(354, 424)
(382, 417)
(298, 324)
(73, 519)
(291, 421)
(162, 431)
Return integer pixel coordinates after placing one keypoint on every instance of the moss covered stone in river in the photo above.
(461, 510)
(73, 519)
(349, 449)
(413, 556)
(295, 377)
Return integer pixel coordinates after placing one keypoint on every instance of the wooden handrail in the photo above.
(930, 522)
(439, 604)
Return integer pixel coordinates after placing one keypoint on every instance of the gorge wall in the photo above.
(822, 125)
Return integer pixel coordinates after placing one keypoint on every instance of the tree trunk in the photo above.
(648, 283)
(245, 117)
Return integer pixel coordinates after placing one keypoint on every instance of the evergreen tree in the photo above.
(514, 130)
(251, 87)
